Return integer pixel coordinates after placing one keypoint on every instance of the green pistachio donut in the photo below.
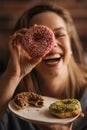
(65, 108)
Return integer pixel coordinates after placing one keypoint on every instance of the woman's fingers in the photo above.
(18, 34)
(81, 115)
(20, 58)
(23, 30)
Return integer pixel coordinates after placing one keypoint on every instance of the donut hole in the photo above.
(67, 102)
(37, 38)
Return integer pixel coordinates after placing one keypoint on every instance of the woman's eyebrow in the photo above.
(60, 28)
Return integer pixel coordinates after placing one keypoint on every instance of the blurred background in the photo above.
(10, 10)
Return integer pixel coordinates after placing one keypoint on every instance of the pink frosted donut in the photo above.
(38, 40)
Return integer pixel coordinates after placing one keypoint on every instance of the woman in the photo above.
(64, 74)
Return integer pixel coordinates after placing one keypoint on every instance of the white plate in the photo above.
(39, 115)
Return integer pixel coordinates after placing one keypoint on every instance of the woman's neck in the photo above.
(53, 86)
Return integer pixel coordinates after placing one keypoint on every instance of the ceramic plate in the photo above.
(39, 115)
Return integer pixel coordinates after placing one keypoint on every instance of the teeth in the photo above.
(52, 57)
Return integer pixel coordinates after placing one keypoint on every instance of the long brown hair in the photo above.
(77, 71)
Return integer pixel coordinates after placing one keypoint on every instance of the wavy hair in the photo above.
(77, 71)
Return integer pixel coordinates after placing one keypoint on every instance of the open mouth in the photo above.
(53, 58)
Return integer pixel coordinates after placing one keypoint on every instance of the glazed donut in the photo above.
(25, 99)
(65, 108)
(38, 40)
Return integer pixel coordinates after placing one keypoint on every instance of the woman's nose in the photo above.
(55, 43)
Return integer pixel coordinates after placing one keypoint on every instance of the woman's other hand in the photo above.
(59, 127)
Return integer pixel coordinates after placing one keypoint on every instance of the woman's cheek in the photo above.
(67, 50)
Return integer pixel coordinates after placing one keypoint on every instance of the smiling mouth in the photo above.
(53, 58)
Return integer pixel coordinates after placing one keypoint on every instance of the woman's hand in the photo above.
(55, 127)
(20, 63)
(58, 127)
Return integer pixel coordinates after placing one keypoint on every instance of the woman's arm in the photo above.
(19, 65)
(7, 87)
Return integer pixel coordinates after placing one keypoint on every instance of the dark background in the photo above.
(10, 10)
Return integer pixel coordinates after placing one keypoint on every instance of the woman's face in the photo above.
(56, 61)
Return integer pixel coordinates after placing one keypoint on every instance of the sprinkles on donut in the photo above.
(65, 108)
(38, 40)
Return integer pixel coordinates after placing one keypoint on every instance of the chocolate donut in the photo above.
(25, 99)
(65, 108)
(38, 40)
